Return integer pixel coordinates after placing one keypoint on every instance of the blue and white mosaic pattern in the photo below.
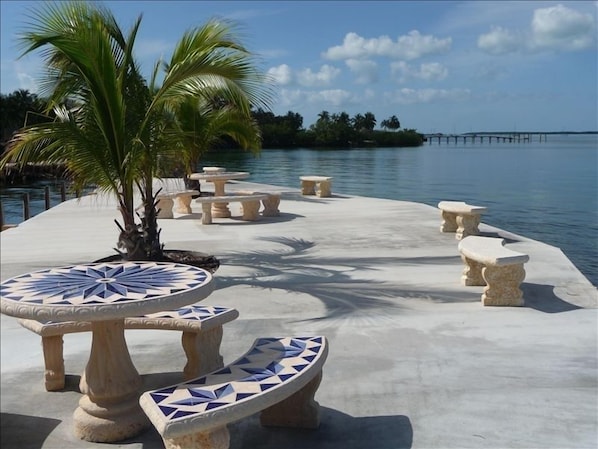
(270, 363)
(102, 283)
(191, 313)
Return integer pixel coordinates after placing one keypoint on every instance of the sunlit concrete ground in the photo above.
(415, 360)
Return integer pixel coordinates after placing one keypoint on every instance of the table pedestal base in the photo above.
(107, 425)
(220, 210)
(109, 410)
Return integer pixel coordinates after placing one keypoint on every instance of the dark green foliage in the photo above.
(18, 109)
(336, 130)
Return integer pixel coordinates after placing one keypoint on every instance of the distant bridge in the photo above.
(511, 137)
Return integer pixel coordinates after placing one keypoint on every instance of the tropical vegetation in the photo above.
(113, 128)
(277, 131)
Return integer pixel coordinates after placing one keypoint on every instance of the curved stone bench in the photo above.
(461, 218)
(489, 263)
(278, 376)
(179, 201)
(250, 204)
(323, 184)
(201, 327)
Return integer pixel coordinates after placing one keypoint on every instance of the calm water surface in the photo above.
(545, 190)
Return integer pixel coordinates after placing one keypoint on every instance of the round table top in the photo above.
(103, 291)
(223, 176)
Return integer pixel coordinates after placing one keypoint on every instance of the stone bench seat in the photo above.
(201, 328)
(461, 218)
(270, 203)
(250, 204)
(277, 376)
(500, 269)
(316, 185)
(180, 201)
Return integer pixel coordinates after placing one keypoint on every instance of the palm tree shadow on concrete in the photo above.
(336, 281)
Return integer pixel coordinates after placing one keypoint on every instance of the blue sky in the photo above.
(439, 66)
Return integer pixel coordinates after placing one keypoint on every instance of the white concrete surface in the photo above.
(415, 360)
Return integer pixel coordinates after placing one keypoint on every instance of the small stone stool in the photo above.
(322, 183)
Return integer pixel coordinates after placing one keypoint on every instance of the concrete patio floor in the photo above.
(415, 360)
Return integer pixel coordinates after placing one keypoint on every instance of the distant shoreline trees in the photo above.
(331, 130)
(336, 130)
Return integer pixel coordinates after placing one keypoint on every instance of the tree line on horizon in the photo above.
(331, 130)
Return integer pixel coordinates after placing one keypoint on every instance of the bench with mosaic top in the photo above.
(201, 328)
(277, 376)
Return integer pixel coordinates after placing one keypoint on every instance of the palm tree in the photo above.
(391, 123)
(119, 128)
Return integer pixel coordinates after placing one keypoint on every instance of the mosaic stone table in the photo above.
(105, 294)
(219, 210)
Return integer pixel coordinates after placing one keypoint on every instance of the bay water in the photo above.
(545, 190)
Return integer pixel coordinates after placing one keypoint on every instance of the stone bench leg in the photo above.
(217, 438)
(250, 210)
(449, 222)
(503, 283)
(308, 187)
(467, 225)
(324, 189)
(54, 362)
(472, 273)
(203, 352)
(182, 204)
(206, 215)
(299, 410)
(271, 206)
(165, 208)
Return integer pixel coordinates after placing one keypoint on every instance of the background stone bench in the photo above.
(461, 218)
(179, 201)
(316, 185)
(250, 204)
(489, 263)
(270, 203)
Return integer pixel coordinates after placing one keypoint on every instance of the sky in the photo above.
(438, 66)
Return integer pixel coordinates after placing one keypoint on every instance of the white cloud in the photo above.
(410, 46)
(282, 74)
(21, 74)
(432, 71)
(490, 72)
(559, 27)
(500, 41)
(554, 28)
(332, 97)
(291, 97)
(413, 96)
(27, 82)
(324, 77)
(323, 99)
(366, 71)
